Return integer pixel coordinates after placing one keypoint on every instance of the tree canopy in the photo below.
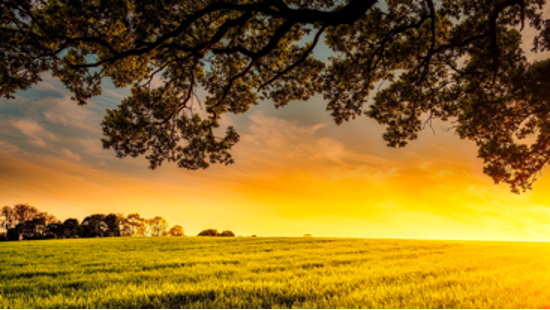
(208, 233)
(24, 221)
(403, 63)
(214, 233)
(176, 231)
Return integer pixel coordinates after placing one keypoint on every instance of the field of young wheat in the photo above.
(273, 273)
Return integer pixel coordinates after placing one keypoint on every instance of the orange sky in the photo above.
(296, 173)
(291, 178)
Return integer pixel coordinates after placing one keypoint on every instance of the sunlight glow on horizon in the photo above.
(290, 179)
(296, 173)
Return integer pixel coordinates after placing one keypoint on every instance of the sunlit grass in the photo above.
(273, 273)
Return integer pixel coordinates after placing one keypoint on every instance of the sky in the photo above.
(296, 172)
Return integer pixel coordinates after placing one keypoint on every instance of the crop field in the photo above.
(273, 273)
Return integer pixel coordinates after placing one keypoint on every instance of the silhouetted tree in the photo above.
(34, 229)
(215, 233)
(10, 219)
(125, 229)
(135, 224)
(55, 230)
(26, 222)
(94, 226)
(121, 220)
(7, 219)
(148, 227)
(24, 212)
(71, 228)
(226, 233)
(113, 222)
(141, 230)
(208, 233)
(15, 233)
(158, 226)
(176, 231)
(48, 218)
(458, 60)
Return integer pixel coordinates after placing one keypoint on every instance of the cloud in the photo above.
(50, 83)
(285, 141)
(70, 154)
(8, 148)
(272, 142)
(91, 145)
(293, 170)
(117, 94)
(44, 121)
(37, 134)
(67, 113)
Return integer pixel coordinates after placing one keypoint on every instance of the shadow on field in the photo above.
(170, 266)
(166, 300)
(269, 269)
(186, 298)
(76, 285)
(233, 297)
(309, 266)
(189, 264)
(32, 274)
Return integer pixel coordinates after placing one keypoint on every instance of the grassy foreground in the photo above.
(273, 273)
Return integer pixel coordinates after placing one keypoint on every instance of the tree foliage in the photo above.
(94, 226)
(26, 222)
(214, 233)
(226, 233)
(71, 228)
(24, 212)
(176, 231)
(159, 226)
(454, 60)
(208, 233)
(134, 224)
(7, 218)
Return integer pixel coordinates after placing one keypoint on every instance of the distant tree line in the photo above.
(215, 233)
(25, 222)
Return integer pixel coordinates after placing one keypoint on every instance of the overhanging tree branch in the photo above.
(242, 50)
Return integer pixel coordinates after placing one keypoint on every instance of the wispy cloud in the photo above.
(70, 154)
(280, 141)
(65, 112)
(36, 133)
(295, 170)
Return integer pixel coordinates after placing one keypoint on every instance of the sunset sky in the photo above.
(296, 172)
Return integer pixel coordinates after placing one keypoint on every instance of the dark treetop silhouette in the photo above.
(24, 221)
(456, 60)
(214, 233)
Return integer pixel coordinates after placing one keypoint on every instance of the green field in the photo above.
(273, 273)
